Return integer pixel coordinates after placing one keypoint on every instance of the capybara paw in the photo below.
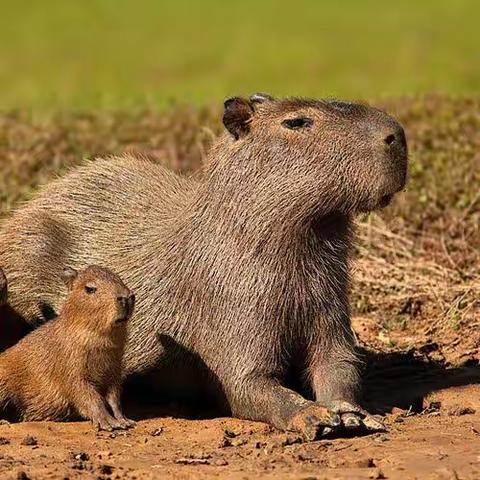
(127, 423)
(355, 417)
(314, 421)
(108, 424)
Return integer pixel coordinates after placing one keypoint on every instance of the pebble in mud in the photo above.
(30, 441)
(82, 456)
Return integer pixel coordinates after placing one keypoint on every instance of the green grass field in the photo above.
(126, 54)
(96, 77)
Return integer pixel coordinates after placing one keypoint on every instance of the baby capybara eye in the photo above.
(89, 289)
(296, 123)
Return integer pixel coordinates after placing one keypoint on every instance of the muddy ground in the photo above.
(431, 406)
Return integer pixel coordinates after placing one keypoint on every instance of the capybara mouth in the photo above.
(124, 318)
(385, 200)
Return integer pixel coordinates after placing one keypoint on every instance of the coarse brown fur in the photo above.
(246, 269)
(72, 365)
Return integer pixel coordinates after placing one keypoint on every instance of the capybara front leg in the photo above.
(90, 405)
(113, 400)
(268, 401)
(335, 383)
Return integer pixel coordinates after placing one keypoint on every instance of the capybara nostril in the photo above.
(389, 139)
(396, 138)
(122, 300)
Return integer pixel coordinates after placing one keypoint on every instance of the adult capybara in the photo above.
(73, 364)
(246, 269)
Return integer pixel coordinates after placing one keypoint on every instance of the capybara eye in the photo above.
(296, 123)
(89, 289)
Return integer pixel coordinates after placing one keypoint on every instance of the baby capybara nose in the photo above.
(122, 300)
(130, 304)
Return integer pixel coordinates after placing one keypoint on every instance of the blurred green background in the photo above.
(128, 54)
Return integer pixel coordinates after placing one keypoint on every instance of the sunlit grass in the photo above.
(126, 54)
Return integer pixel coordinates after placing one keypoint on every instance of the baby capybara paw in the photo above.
(314, 421)
(108, 423)
(126, 422)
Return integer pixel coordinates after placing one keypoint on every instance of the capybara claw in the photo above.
(127, 423)
(313, 421)
(373, 424)
(351, 421)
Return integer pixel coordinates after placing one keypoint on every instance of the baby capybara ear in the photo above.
(3, 288)
(237, 116)
(68, 275)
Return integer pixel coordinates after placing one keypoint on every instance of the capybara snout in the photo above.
(126, 304)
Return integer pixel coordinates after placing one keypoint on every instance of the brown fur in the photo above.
(246, 269)
(72, 365)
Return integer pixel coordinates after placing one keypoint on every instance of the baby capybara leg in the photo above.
(266, 400)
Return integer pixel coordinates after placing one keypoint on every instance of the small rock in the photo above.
(21, 475)
(105, 469)
(398, 411)
(82, 456)
(4, 441)
(156, 432)
(29, 440)
(230, 434)
(221, 462)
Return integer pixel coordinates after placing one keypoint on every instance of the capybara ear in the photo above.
(237, 116)
(3, 288)
(68, 275)
(261, 98)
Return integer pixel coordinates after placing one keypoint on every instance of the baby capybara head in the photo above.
(97, 298)
(320, 155)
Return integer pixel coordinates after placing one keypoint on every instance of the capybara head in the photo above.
(322, 155)
(97, 297)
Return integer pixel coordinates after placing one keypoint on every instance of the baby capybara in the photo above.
(72, 365)
(246, 268)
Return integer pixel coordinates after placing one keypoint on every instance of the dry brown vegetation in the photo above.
(417, 266)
